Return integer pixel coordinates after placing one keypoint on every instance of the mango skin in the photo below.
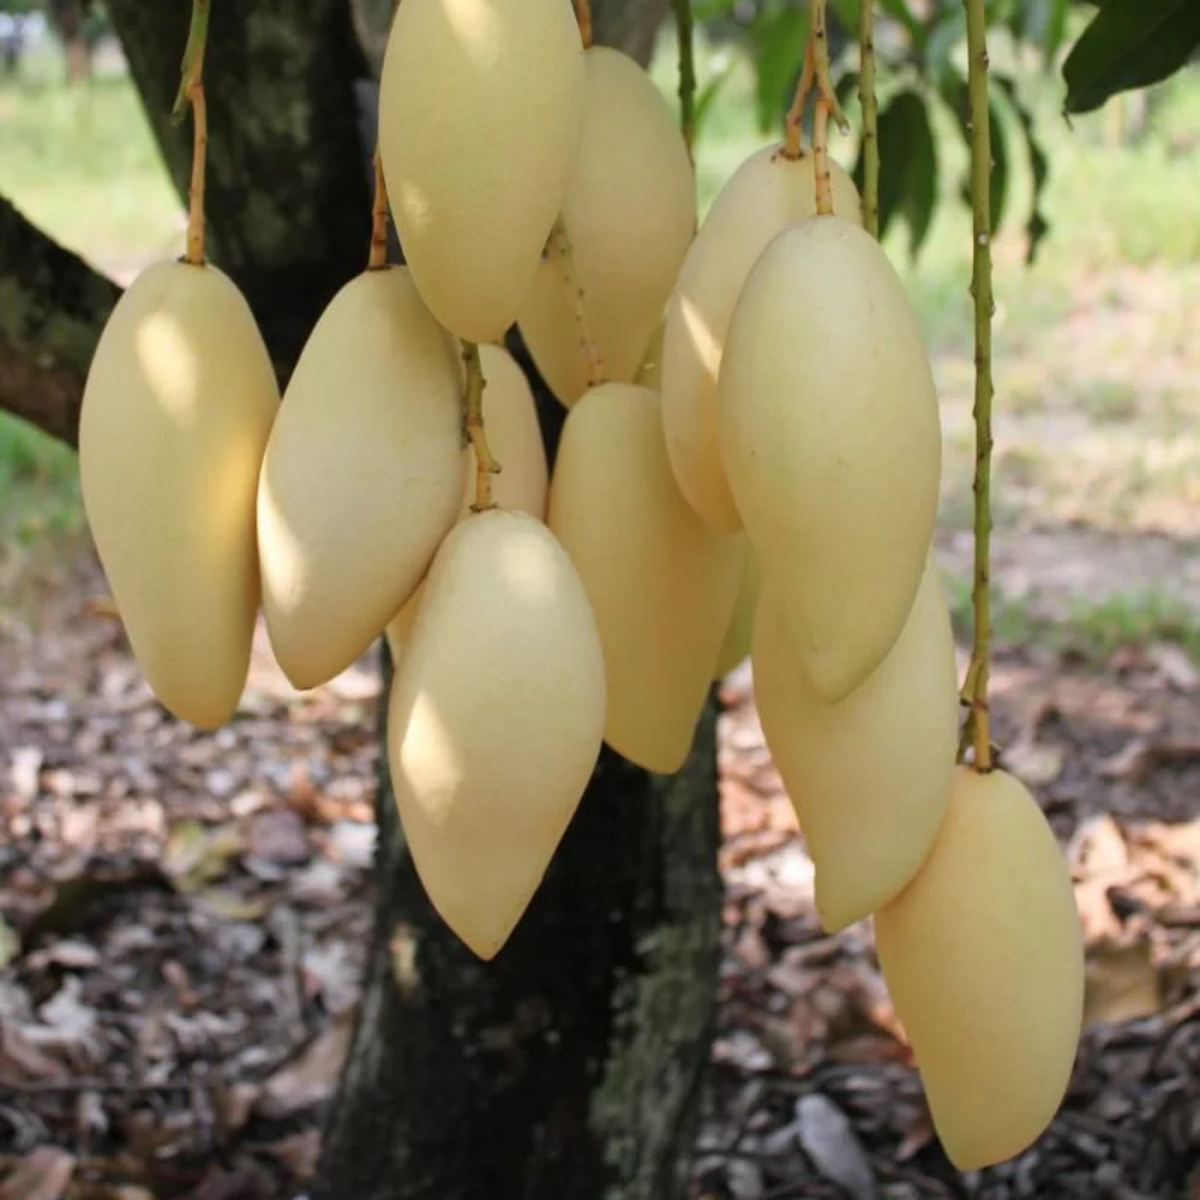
(740, 634)
(362, 477)
(983, 955)
(629, 213)
(176, 413)
(477, 172)
(662, 585)
(515, 439)
(495, 719)
(831, 440)
(869, 777)
(763, 196)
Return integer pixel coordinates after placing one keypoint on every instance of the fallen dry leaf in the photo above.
(309, 1079)
(42, 1174)
(21, 1060)
(1035, 763)
(277, 835)
(1142, 756)
(1121, 982)
(1175, 665)
(827, 1137)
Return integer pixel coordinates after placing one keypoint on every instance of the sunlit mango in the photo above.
(764, 195)
(495, 720)
(662, 585)
(629, 214)
(176, 413)
(870, 776)
(983, 956)
(480, 113)
(363, 475)
(831, 441)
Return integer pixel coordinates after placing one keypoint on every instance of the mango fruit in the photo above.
(662, 585)
(869, 776)
(177, 409)
(495, 719)
(515, 439)
(983, 956)
(831, 441)
(767, 193)
(739, 635)
(363, 474)
(480, 114)
(629, 214)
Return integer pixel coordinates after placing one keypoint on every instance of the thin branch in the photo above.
(587, 343)
(870, 111)
(583, 16)
(191, 90)
(377, 258)
(814, 73)
(485, 463)
(979, 127)
(687, 74)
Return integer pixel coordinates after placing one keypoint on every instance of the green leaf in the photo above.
(1129, 44)
(779, 52)
(908, 166)
(1037, 226)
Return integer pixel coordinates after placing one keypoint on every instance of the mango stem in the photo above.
(979, 128)
(485, 464)
(687, 75)
(191, 90)
(377, 257)
(596, 373)
(870, 114)
(583, 17)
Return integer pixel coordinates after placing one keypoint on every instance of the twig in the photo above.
(687, 74)
(377, 258)
(583, 15)
(191, 90)
(485, 465)
(979, 127)
(870, 111)
(587, 344)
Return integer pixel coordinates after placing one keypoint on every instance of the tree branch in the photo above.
(52, 309)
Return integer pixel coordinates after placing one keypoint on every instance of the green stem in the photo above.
(191, 91)
(870, 110)
(193, 58)
(979, 128)
(485, 463)
(687, 74)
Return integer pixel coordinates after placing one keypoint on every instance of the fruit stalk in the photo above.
(587, 343)
(870, 112)
(377, 258)
(191, 90)
(583, 15)
(485, 464)
(979, 126)
(687, 74)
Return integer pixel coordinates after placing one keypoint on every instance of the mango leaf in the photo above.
(954, 92)
(779, 52)
(1037, 226)
(908, 166)
(1129, 44)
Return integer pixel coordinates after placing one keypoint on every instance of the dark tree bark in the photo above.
(568, 1067)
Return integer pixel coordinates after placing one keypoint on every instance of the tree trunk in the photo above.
(568, 1067)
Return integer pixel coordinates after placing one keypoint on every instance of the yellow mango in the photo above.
(764, 195)
(662, 585)
(831, 440)
(176, 413)
(494, 722)
(363, 475)
(870, 776)
(480, 112)
(738, 636)
(629, 214)
(983, 956)
(515, 439)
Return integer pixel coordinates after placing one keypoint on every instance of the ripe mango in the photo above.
(480, 115)
(763, 196)
(870, 776)
(515, 440)
(738, 636)
(831, 440)
(662, 585)
(983, 956)
(176, 413)
(495, 719)
(629, 213)
(363, 475)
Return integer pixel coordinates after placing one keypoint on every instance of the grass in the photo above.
(1097, 409)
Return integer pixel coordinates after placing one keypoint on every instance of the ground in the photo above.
(161, 890)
